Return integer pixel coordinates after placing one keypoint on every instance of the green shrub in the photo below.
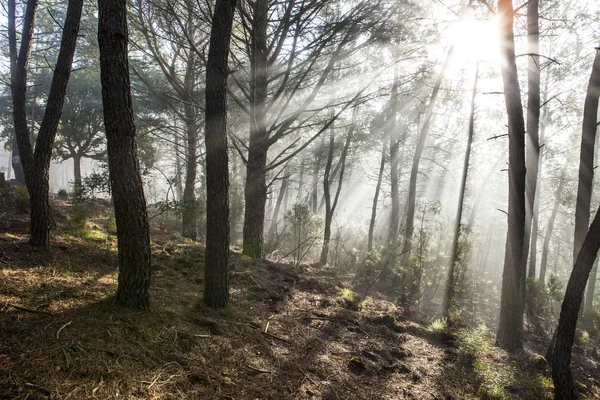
(494, 381)
(473, 341)
(63, 194)
(79, 215)
(439, 325)
(22, 199)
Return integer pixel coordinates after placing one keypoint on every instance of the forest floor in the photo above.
(289, 333)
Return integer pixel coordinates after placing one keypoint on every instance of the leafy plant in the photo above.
(473, 341)
(494, 381)
(22, 199)
(439, 325)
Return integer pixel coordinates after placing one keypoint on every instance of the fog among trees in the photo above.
(435, 156)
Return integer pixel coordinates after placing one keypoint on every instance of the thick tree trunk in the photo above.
(376, 199)
(453, 269)
(533, 123)
(216, 281)
(126, 182)
(414, 172)
(256, 187)
(564, 387)
(512, 303)
(189, 217)
(586, 157)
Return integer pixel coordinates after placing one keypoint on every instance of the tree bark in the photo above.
(586, 157)
(453, 269)
(591, 287)
(376, 199)
(126, 182)
(535, 227)
(256, 187)
(512, 303)
(77, 171)
(564, 387)
(412, 184)
(216, 280)
(533, 123)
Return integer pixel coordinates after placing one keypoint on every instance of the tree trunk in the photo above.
(189, 217)
(533, 123)
(564, 387)
(512, 303)
(39, 168)
(394, 137)
(330, 205)
(126, 182)
(535, 227)
(18, 73)
(412, 184)
(256, 187)
(77, 172)
(549, 229)
(216, 281)
(586, 157)
(454, 261)
(591, 287)
(376, 199)
(280, 196)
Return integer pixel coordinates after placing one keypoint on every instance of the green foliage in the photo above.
(306, 229)
(494, 381)
(439, 325)
(63, 194)
(79, 215)
(347, 294)
(473, 341)
(21, 197)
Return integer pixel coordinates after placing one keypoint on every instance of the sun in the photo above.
(475, 39)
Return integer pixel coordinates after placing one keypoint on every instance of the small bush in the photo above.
(22, 200)
(494, 381)
(79, 215)
(63, 194)
(473, 342)
(439, 325)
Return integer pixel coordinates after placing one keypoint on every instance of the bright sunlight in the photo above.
(475, 39)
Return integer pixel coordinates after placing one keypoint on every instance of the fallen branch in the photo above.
(276, 337)
(29, 309)
(262, 371)
(61, 328)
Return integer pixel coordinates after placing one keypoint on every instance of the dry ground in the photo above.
(289, 334)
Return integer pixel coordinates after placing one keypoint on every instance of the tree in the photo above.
(533, 123)
(80, 133)
(126, 182)
(454, 257)
(180, 61)
(291, 54)
(564, 387)
(512, 303)
(36, 164)
(586, 157)
(216, 281)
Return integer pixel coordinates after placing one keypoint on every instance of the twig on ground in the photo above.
(66, 358)
(262, 371)
(267, 327)
(61, 328)
(38, 387)
(29, 309)
(277, 337)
